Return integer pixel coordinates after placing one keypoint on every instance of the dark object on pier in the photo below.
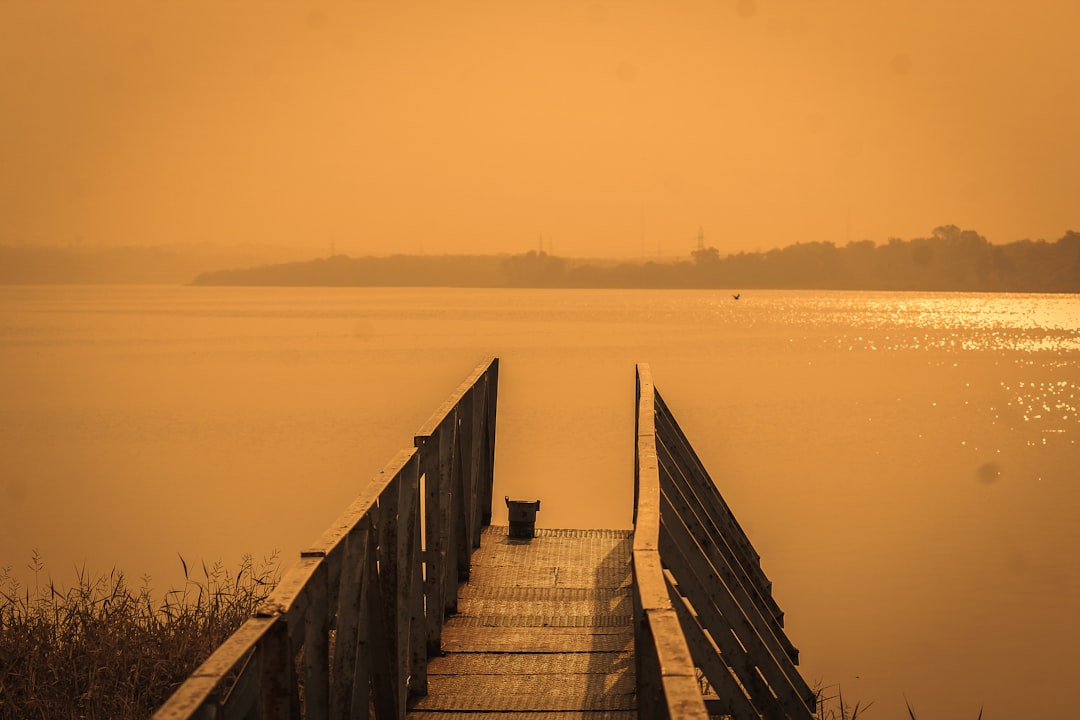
(522, 516)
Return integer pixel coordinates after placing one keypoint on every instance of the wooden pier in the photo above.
(412, 605)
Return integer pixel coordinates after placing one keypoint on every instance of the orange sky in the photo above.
(606, 128)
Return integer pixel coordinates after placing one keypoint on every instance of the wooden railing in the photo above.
(667, 684)
(705, 571)
(348, 630)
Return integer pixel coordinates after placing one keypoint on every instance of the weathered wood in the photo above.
(378, 581)
(203, 683)
(413, 602)
(556, 649)
(275, 673)
(713, 546)
(347, 673)
(317, 647)
(382, 580)
(667, 679)
(243, 697)
(491, 402)
(732, 697)
(722, 599)
(708, 496)
(434, 542)
(736, 638)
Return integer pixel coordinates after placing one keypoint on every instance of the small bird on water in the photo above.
(736, 295)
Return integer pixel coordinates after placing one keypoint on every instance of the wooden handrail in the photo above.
(666, 676)
(353, 622)
(712, 579)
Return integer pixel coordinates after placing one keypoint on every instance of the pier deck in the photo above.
(543, 625)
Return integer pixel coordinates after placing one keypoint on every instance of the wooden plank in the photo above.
(460, 499)
(317, 647)
(468, 455)
(524, 703)
(242, 699)
(537, 639)
(490, 407)
(533, 663)
(678, 677)
(706, 654)
(390, 573)
(276, 669)
(450, 500)
(671, 433)
(291, 597)
(701, 495)
(647, 509)
(347, 671)
(716, 553)
(434, 550)
(378, 642)
(414, 603)
(532, 715)
(738, 640)
(202, 683)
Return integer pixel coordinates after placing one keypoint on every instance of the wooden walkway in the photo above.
(411, 605)
(543, 626)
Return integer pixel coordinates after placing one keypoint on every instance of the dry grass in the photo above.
(911, 710)
(103, 649)
(833, 707)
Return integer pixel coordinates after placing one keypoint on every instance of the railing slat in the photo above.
(317, 647)
(355, 547)
(276, 671)
(724, 619)
(712, 545)
(202, 684)
(709, 495)
(732, 697)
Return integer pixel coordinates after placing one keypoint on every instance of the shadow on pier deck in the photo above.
(412, 605)
(543, 625)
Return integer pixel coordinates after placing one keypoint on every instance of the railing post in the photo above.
(275, 672)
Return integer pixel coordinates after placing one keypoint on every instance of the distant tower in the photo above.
(700, 238)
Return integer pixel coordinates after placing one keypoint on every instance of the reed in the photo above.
(913, 716)
(832, 706)
(105, 649)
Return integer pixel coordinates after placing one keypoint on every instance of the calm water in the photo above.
(907, 465)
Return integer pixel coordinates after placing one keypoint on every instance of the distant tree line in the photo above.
(392, 271)
(950, 259)
(86, 264)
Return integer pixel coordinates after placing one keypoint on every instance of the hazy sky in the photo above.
(605, 128)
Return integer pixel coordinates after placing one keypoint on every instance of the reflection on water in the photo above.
(905, 464)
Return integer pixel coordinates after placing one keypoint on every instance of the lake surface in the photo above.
(906, 464)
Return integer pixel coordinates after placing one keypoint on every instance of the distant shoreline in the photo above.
(950, 260)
